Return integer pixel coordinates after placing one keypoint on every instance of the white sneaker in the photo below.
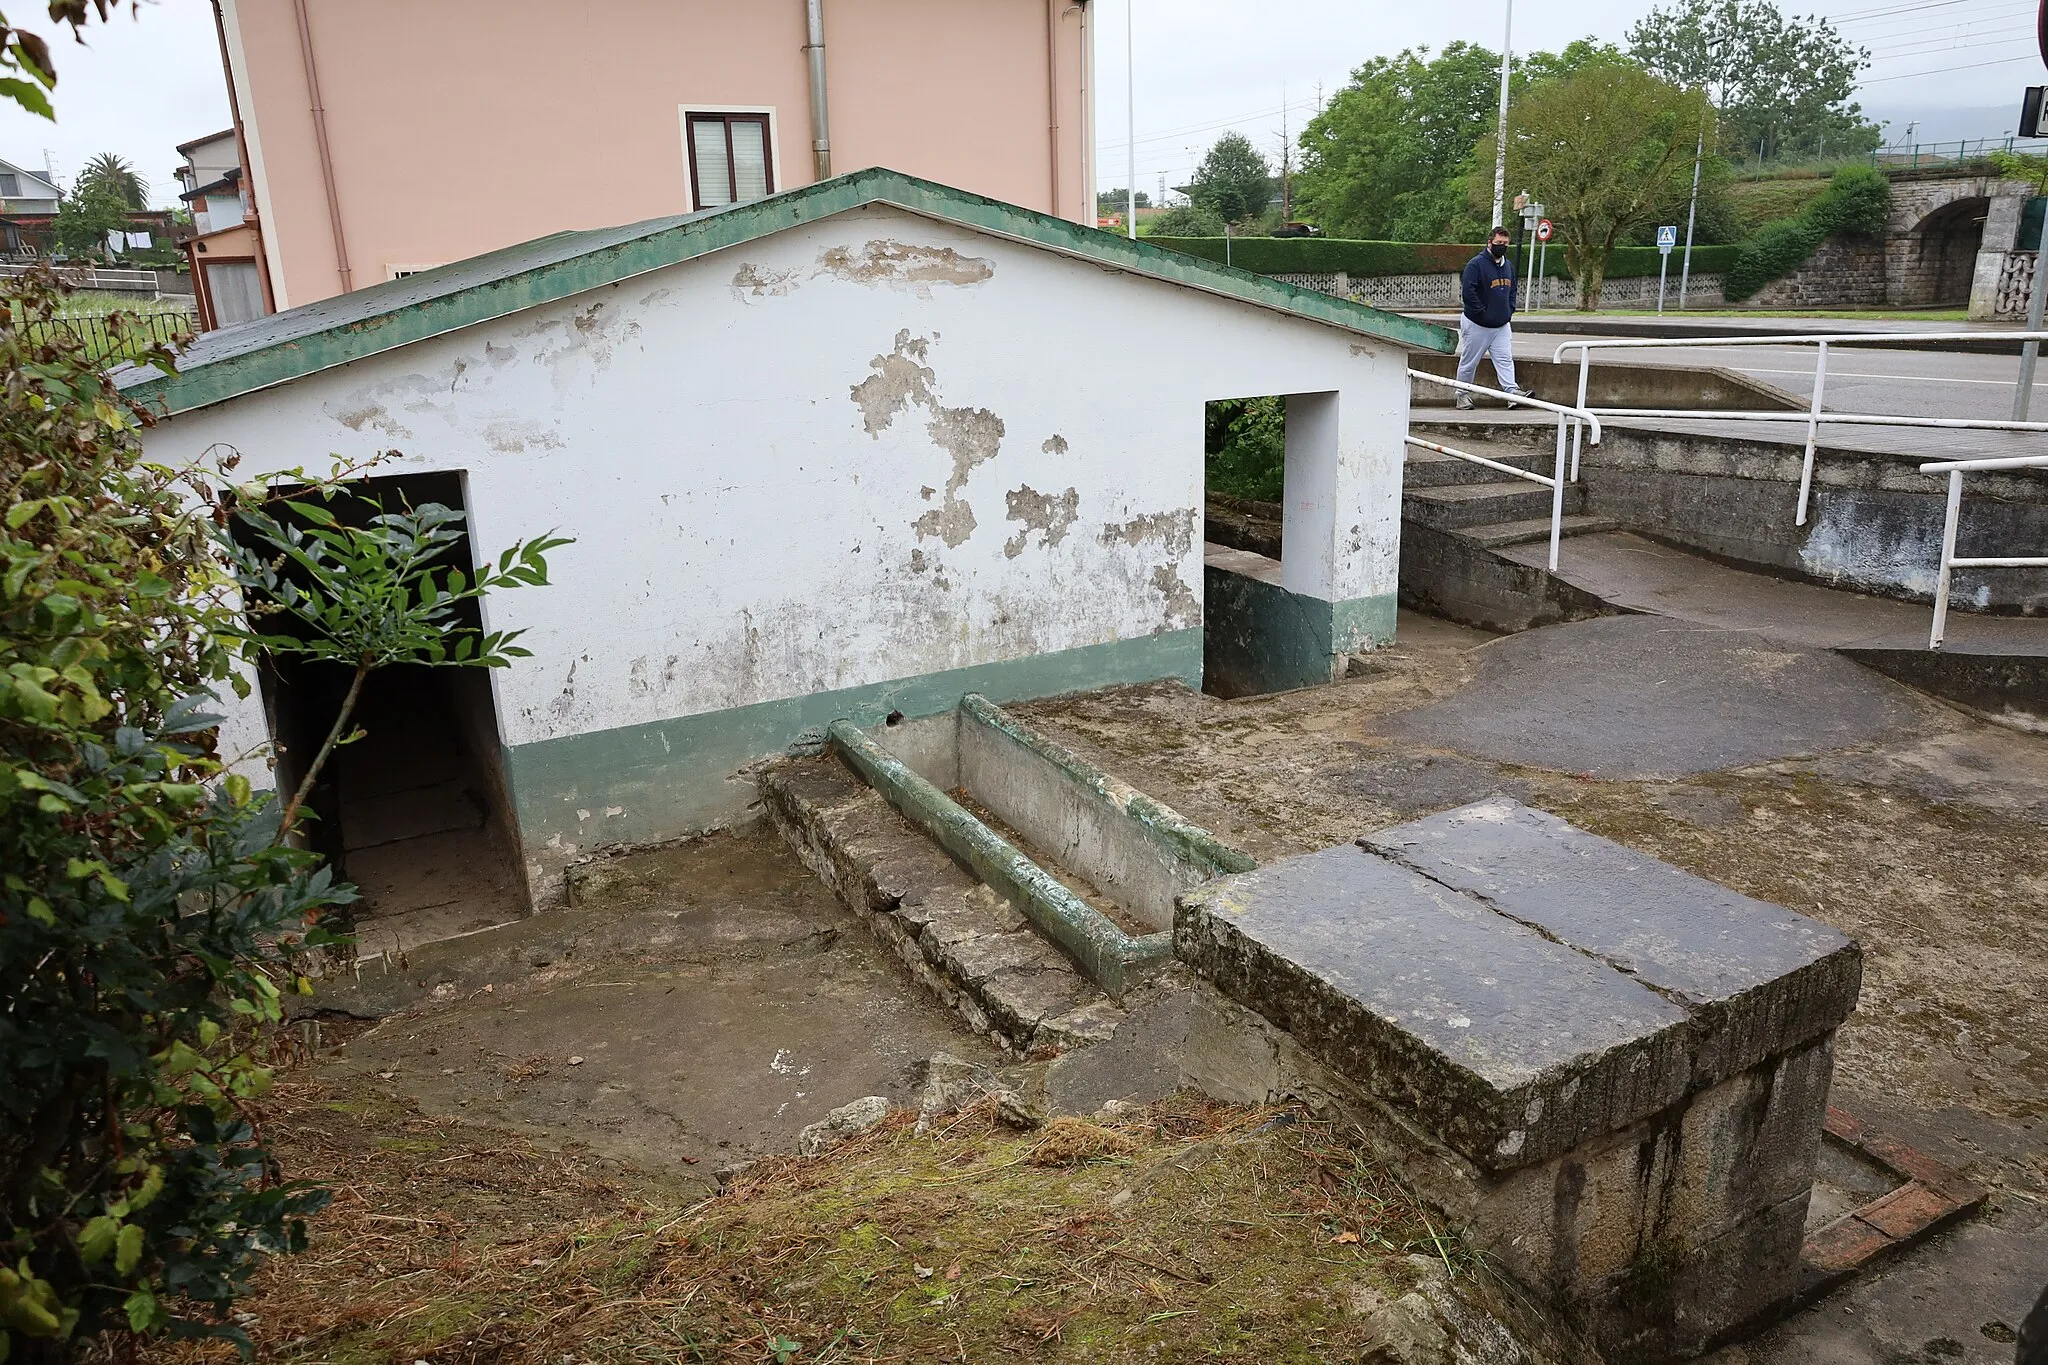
(1464, 401)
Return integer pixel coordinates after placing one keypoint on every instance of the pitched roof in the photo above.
(40, 177)
(284, 346)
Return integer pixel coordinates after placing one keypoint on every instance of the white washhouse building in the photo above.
(851, 450)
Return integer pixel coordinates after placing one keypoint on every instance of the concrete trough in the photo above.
(1138, 852)
(1611, 1075)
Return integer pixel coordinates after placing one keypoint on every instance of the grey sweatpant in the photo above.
(1475, 341)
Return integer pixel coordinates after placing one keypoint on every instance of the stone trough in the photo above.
(1611, 1075)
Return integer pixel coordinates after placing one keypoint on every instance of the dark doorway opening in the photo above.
(1946, 246)
(416, 813)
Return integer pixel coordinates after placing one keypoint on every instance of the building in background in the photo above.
(225, 250)
(28, 209)
(383, 137)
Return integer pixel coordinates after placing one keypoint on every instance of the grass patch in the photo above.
(1189, 1230)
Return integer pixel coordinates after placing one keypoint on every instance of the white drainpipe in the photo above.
(821, 123)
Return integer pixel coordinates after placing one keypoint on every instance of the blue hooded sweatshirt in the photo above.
(1490, 289)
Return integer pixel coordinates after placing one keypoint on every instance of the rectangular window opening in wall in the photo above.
(731, 157)
(1244, 448)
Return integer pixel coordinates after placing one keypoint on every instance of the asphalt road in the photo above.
(1860, 379)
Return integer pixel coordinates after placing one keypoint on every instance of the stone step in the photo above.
(963, 943)
(1537, 528)
(1427, 469)
(1454, 507)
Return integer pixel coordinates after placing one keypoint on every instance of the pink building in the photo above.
(382, 137)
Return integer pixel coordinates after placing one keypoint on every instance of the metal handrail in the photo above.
(1955, 469)
(1556, 480)
(1814, 416)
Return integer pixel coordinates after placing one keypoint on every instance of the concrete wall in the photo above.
(1439, 292)
(857, 467)
(462, 126)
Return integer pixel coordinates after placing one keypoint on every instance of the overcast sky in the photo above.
(1203, 67)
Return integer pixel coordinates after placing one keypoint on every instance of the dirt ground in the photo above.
(522, 1147)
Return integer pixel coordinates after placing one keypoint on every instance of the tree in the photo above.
(1609, 149)
(1234, 182)
(85, 217)
(1784, 86)
(116, 177)
(1187, 221)
(1390, 156)
(1115, 201)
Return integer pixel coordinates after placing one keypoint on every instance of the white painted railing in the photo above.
(1554, 481)
(1955, 469)
(1815, 417)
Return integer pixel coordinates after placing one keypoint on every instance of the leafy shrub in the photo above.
(1246, 447)
(146, 907)
(1327, 255)
(1856, 203)
(1188, 220)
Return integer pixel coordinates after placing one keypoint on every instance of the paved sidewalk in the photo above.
(1634, 572)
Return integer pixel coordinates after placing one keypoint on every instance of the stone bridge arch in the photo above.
(1948, 235)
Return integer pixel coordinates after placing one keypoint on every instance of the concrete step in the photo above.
(963, 943)
(1427, 469)
(1537, 528)
(1453, 507)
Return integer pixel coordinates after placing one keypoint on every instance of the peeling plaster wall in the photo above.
(864, 451)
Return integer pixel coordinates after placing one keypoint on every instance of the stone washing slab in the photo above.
(1757, 978)
(1511, 1047)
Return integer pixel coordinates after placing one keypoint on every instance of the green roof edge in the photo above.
(465, 306)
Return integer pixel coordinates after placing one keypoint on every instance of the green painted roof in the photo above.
(254, 355)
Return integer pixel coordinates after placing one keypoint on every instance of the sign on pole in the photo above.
(1667, 238)
(1542, 257)
(1543, 229)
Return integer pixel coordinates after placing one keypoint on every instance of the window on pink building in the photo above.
(729, 160)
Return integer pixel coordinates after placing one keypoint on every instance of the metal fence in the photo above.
(104, 340)
(1949, 153)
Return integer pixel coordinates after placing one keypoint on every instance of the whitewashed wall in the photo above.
(867, 449)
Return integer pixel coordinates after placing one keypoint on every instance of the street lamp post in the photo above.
(1500, 140)
(1131, 119)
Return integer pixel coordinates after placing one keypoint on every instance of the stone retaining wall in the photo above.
(1420, 293)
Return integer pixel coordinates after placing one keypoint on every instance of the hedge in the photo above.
(1856, 202)
(1329, 255)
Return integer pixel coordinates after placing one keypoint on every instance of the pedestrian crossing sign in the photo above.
(1667, 237)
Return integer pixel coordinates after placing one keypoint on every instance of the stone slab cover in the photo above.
(1758, 978)
(1512, 1047)
(1517, 984)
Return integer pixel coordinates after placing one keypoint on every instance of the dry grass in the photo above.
(1187, 1230)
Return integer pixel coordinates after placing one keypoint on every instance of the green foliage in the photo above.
(1385, 158)
(368, 596)
(27, 75)
(1116, 201)
(1246, 447)
(85, 217)
(146, 907)
(110, 173)
(2019, 166)
(1609, 150)
(1784, 86)
(1327, 255)
(1856, 203)
(1187, 220)
(1233, 182)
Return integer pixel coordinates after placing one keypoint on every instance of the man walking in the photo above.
(1489, 289)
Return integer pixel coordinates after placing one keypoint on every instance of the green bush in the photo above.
(1246, 445)
(1855, 204)
(1328, 255)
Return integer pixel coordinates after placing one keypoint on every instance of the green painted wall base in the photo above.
(644, 783)
(1260, 638)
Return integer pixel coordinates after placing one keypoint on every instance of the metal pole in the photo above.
(2024, 394)
(1663, 273)
(821, 121)
(1542, 259)
(1820, 383)
(1131, 121)
(1948, 555)
(1578, 428)
(1500, 140)
(1692, 212)
(1557, 495)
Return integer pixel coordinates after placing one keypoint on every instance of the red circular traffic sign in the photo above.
(1543, 224)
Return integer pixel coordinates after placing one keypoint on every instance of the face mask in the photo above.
(1496, 249)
